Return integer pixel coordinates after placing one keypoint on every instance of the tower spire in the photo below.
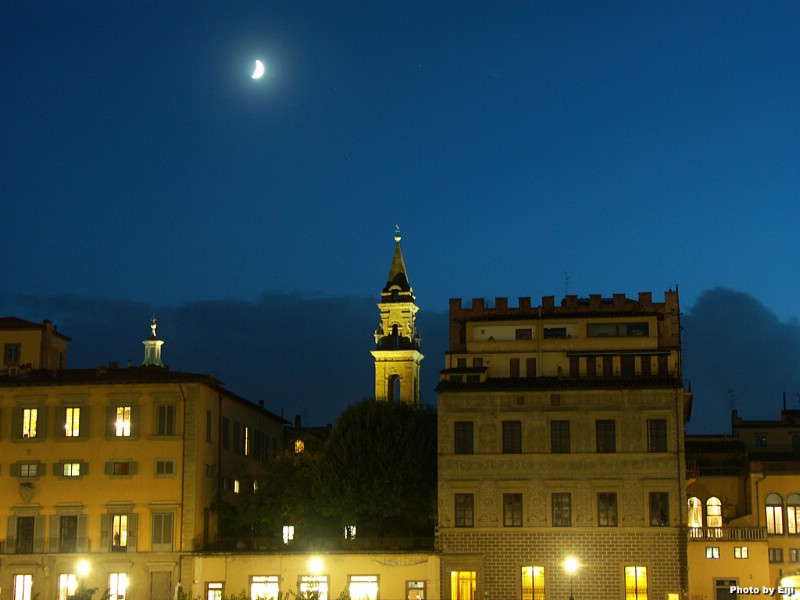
(152, 347)
(397, 355)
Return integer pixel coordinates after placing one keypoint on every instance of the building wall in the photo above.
(154, 488)
(393, 571)
(527, 371)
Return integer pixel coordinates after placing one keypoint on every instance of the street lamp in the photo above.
(571, 566)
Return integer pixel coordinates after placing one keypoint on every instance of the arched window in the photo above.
(774, 514)
(713, 512)
(695, 513)
(793, 514)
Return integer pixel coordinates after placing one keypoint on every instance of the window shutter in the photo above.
(84, 468)
(55, 533)
(82, 545)
(111, 415)
(109, 468)
(105, 526)
(133, 467)
(41, 427)
(84, 422)
(38, 534)
(58, 425)
(15, 469)
(58, 469)
(132, 533)
(134, 421)
(16, 423)
(11, 540)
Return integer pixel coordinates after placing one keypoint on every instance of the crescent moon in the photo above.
(258, 73)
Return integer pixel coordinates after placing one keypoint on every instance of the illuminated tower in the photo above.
(152, 347)
(397, 355)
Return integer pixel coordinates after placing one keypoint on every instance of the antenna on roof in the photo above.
(566, 283)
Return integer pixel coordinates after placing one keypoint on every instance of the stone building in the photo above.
(561, 436)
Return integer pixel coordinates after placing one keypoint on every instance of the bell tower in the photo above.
(396, 353)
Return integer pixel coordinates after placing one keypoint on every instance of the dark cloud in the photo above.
(738, 354)
(301, 355)
(310, 355)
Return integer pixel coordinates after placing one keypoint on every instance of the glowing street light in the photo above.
(571, 566)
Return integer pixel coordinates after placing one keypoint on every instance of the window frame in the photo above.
(561, 509)
(657, 435)
(560, 442)
(464, 509)
(512, 509)
(463, 437)
(659, 509)
(607, 509)
(512, 437)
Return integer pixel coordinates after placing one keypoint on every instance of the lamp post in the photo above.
(571, 566)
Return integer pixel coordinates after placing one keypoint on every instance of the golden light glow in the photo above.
(532, 583)
(315, 565)
(571, 565)
(83, 568)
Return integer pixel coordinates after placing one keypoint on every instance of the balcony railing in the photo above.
(357, 544)
(728, 534)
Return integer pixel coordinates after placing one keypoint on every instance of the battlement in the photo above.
(569, 305)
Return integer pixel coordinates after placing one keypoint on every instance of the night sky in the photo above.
(524, 148)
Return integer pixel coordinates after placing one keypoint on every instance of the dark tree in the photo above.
(378, 470)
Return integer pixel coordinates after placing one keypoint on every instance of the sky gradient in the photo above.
(524, 148)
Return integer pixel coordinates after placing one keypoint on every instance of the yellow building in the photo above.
(28, 346)
(118, 469)
(561, 436)
(744, 509)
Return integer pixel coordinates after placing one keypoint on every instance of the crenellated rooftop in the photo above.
(570, 305)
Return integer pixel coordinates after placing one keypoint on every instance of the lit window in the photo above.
(793, 514)
(695, 515)
(713, 512)
(30, 417)
(740, 552)
(415, 590)
(264, 587)
(117, 586)
(774, 514)
(235, 486)
(316, 585)
(122, 424)
(67, 585)
(288, 533)
(72, 422)
(23, 583)
(349, 532)
(72, 469)
(246, 447)
(532, 583)
(299, 446)
(794, 554)
(712, 551)
(363, 587)
(635, 583)
(214, 591)
(119, 533)
(462, 585)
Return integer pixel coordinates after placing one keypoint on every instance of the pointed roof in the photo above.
(398, 277)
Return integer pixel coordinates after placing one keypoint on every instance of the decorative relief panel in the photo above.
(487, 504)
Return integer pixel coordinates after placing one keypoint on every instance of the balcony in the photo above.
(727, 534)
